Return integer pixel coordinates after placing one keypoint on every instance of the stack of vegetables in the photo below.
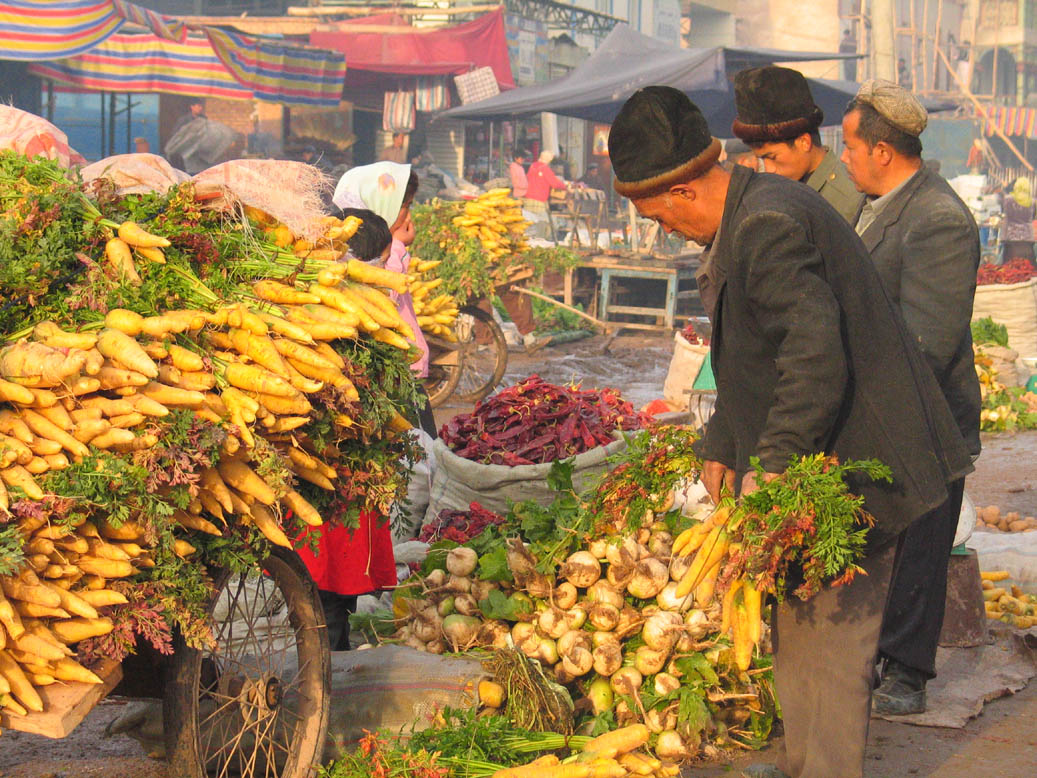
(437, 313)
(1010, 605)
(1014, 271)
(993, 519)
(480, 252)
(495, 218)
(1004, 408)
(153, 424)
(599, 607)
(535, 422)
(648, 614)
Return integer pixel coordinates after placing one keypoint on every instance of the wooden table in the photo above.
(617, 266)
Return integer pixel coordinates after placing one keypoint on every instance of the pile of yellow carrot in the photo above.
(250, 368)
(612, 755)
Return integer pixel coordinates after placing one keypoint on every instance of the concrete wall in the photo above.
(793, 25)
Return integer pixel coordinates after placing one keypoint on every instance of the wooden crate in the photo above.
(65, 705)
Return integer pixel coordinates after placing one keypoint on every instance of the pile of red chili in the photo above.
(459, 526)
(1012, 272)
(689, 334)
(535, 422)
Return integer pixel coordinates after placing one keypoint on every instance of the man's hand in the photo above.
(716, 475)
(750, 484)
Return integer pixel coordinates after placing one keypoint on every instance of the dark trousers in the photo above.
(824, 665)
(918, 591)
(337, 608)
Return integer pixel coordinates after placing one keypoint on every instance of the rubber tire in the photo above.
(180, 705)
(499, 343)
(439, 393)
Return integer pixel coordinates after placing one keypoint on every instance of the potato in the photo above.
(1017, 526)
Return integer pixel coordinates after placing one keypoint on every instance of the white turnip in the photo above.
(581, 569)
(461, 561)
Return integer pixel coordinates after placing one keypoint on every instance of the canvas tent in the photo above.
(627, 60)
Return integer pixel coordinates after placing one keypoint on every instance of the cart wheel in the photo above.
(485, 353)
(256, 702)
(444, 369)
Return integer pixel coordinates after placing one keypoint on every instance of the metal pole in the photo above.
(111, 124)
(489, 154)
(129, 123)
(50, 100)
(104, 126)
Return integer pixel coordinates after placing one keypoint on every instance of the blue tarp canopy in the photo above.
(627, 61)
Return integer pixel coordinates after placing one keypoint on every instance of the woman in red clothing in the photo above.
(351, 562)
(540, 181)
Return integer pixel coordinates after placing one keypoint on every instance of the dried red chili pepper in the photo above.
(534, 422)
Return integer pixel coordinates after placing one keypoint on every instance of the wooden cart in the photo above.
(254, 703)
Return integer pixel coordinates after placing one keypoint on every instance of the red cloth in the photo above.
(353, 561)
(541, 181)
(445, 51)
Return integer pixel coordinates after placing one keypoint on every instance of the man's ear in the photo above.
(685, 191)
(883, 153)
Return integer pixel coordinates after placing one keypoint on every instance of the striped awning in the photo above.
(1020, 122)
(40, 30)
(278, 73)
(217, 64)
(147, 63)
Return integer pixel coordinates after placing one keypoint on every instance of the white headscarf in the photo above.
(379, 187)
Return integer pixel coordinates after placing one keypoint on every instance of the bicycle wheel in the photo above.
(484, 353)
(256, 702)
(444, 369)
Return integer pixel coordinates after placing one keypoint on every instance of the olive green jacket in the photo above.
(831, 181)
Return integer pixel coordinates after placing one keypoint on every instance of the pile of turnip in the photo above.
(609, 625)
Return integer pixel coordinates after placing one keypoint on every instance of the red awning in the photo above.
(437, 51)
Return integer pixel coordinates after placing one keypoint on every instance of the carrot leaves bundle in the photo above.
(805, 523)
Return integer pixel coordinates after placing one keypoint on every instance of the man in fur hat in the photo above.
(778, 119)
(809, 356)
(925, 246)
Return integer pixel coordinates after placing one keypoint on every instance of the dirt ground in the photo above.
(1000, 743)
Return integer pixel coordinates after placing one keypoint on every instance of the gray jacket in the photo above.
(832, 182)
(810, 355)
(925, 246)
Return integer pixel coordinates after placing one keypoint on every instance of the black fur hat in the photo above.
(660, 138)
(773, 104)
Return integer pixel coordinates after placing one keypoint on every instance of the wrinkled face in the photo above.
(859, 157)
(678, 213)
(788, 160)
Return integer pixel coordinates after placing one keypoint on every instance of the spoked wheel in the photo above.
(256, 702)
(484, 353)
(444, 369)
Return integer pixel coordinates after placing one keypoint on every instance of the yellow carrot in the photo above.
(239, 475)
(125, 351)
(368, 274)
(73, 630)
(257, 379)
(266, 522)
(18, 476)
(20, 686)
(136, 236)
(171, 396)
(120, 258)
(275, 292)
(260, 349)
(286, 329)
(151, 254)
(302, 508)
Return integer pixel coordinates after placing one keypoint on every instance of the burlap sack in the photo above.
(34, 136)
(136, 173)
(288, 191)
(458, 482)
(1015, 306)
(1003, 363)
(684, 369)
